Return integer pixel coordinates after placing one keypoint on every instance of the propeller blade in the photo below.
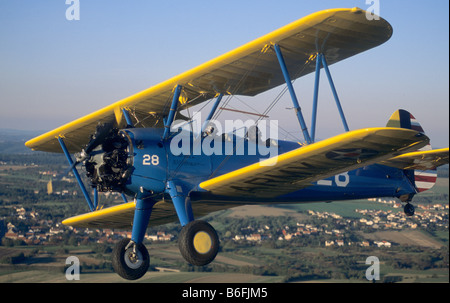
(99, 136)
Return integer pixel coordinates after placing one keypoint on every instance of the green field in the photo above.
(45, 276)
(347, 208)
(342, 208)
(54, 276)
(304, 259)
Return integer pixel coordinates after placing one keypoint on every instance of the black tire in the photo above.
(409, 209)
(198, 243)
(124, 266)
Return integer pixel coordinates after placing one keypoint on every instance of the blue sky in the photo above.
(53, 71)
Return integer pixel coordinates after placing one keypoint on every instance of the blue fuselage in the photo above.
(187, 162)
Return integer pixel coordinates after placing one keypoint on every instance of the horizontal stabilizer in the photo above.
(421, 160)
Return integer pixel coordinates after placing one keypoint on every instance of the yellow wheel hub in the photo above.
(202, 242)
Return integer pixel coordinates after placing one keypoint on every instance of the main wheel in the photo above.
(131, 263)
(198, 243)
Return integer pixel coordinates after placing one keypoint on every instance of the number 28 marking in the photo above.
(150, 159)
(341, 180)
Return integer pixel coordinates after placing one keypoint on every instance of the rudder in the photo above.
(422, 179)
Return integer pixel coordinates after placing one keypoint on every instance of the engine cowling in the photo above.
(110, 164)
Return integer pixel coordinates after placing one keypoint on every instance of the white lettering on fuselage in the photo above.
(150, 159)
(341, 180)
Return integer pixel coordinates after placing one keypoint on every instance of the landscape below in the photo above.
(327, 242)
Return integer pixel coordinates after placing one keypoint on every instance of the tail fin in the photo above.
(403, 119)
(422, 179)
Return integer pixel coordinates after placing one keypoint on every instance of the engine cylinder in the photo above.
(109, 166)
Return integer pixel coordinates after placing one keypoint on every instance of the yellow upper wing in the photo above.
(421, 160)
(301, 167)
(121, 216)
(248, 70)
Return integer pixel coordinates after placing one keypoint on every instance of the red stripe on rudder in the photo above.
(425, 178)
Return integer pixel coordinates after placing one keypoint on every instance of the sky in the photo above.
(54, 70)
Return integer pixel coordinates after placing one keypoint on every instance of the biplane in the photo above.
(127, 147)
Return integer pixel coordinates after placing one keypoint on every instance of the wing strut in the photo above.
(321, 60)
(76, 174)
(173, 110)
(211, 113)
(126, 114)
(297, 108)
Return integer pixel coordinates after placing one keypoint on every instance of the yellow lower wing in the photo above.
(301, 167)
(121, 216)
(283, 174)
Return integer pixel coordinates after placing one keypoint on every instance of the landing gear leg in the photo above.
(408, 208)
(130, 258)
(198, 240)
